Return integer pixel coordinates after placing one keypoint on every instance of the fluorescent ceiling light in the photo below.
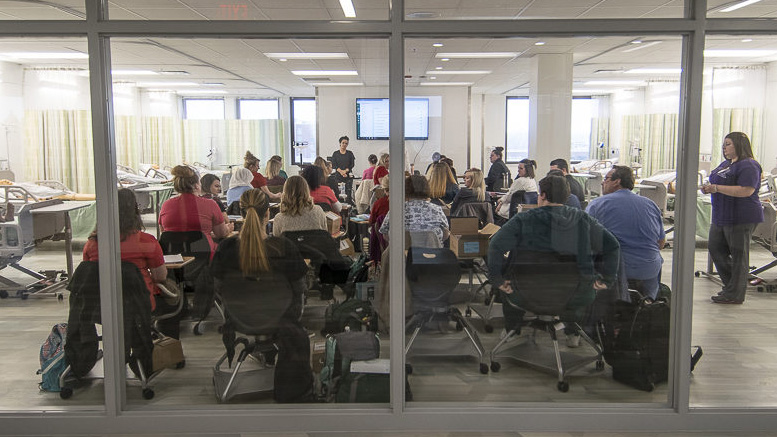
(640, 46)
(212, 84)
(174, 73)
(133, 73)
(437, 44)
(336, 83)
(593, 91)
(445, 83)
(348, 9)
(307, 55)
(654, 71)
(325, 72)
(203, 92)
(739, 5)
(715, 53)
(459, 72)
(166, 84)
(539, 43)
(37, 55)
(477, 55)
(615, 82)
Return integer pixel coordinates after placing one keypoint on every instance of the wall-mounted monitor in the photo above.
(372, 119)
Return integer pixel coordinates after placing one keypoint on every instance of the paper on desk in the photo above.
(172, 259)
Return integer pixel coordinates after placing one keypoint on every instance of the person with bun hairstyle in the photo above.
(474, 190)
(524, 182)
(251, 162)
(189, 212)
(298, 212)
(494, 180)
(254, 255)
(369, 171)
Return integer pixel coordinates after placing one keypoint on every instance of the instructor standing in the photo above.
(343, 162)
(736, 210)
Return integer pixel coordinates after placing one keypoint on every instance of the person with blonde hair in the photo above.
(442, 185)
(298, 213)
(273, 171)
(382, 169)
(255, 255)
(474, 190)
(190, 212)
(251, 162)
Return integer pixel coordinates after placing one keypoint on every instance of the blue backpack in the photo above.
(52, 358)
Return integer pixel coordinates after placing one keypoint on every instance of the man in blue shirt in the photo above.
(637, 224)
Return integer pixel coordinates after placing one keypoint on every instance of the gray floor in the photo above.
(740, 354)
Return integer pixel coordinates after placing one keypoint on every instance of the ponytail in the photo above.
(253, 251)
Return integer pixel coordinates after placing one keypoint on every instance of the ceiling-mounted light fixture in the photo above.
(737, 5)
(437, 44)
(325, 72)
(459, 72)
(641, 45)
(44, 55)
(445, 83)
(292, 55)
(539, 43)
(720, 53)
(348, 10)
(336, 83)
(654, 71)
(476, 55)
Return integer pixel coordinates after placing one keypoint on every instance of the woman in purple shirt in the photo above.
(736, 210)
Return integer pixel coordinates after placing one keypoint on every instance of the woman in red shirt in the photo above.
(189, 212)
(381, 170)
(320, 193)
(137, 247)
(251, 162)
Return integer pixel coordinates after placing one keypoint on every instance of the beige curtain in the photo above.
(600, 138)
(128, 150)
(161, 141)
(58, 146)
(747, 120)
(264, 138)
(651, 140)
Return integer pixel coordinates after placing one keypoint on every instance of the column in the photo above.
(550, 109)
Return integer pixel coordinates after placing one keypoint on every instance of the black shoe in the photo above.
(726, 300)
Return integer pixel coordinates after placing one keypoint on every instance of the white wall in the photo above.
(12, 116)
(448, 124)
(770, 119)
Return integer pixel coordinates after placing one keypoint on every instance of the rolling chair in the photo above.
(548, 285)
(329, 267)
(82, 345)
(255, 309)
(765, 234)
(432, 275)
(482, 210)
(593, 185)
(521, 197)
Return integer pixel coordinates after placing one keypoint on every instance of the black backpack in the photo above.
(359, 272)
(355, 314)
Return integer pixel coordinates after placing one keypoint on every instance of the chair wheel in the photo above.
(459, 326)
(148, 394)
(484, 368)
(563, 386)
(599, 365)
(23, 295)
(489, 329)
(197, 329)
(65, 393)
(409, 369)
(60, 297)
(495, 367)
(487, 301)
(468, 312)
(697, 274)
(3, 294)
(181, 364)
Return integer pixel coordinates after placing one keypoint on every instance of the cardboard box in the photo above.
(317, 355)
(167, 353)
(333, 222)
(466, 240)
(346, 247)
(366, 290)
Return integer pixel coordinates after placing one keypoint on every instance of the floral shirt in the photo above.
(421, 215)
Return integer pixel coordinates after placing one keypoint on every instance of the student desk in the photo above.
(54, 221)
(179, 265)
(156, 192)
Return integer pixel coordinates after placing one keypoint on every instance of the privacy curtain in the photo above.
(738, 102)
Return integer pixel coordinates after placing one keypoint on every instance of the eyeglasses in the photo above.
(608, 178)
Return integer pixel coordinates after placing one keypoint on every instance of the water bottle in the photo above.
(505, 181)
(365, 244)
(341, 189)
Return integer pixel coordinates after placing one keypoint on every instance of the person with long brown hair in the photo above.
(190, 212)
(253, 254)
(442, 185)
(298, 213)
(251, 162)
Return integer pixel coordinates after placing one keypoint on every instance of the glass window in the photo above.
(203, 109)
(517, 129)
(764, 9)
(46, 152)
(543, 9)
(250, 109)
(584, 112)
(303, 120)
(242, 10)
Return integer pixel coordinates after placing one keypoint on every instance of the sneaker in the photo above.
(725, 300)
(573, 340)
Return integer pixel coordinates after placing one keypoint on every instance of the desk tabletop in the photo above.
(153, 189)
(645, 187)
(583, 175)
(63, 207)
(178, 265)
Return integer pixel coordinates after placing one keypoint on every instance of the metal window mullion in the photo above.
(104, 147)
(689, 126)
(397, 207)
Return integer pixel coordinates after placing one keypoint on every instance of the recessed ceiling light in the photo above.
(445, 83)
(325, 72)
(438, 68)
(422, 15)
(133, 73)
(593, 91)
(41, 55)
(212, 84)
(445, 59)
(293, 55)
(636, 41)
(539, 43)
(348, 9)
(654, 71)
(175, 73)
(437, 44)
(739, 5)
(747, 40)
(166, 84)
(476, 55)
(336, 83)
(203, 92)
(460, 72)
(283, 59)
(641, 46)
(615, 82)
(715, 53)
(433, 78)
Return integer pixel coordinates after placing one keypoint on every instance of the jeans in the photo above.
(729, 248)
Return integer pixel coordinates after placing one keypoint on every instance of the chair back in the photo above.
(543, 283)
(657, 194)
(254, 305)
(325, 206)
(516, 199)
(323, 251)
(186, 243)
(593, 185)
(765, 233)
(432, 275)
(422, 239)
(482, 210)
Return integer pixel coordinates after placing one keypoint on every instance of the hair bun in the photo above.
(182, 171)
